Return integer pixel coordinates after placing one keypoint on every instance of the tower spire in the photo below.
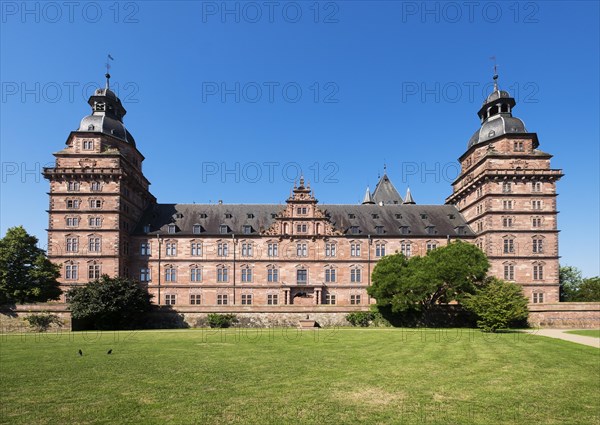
(495, 77)
(107, 75)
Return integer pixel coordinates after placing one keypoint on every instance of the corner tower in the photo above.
(97, 194)
(507, 193)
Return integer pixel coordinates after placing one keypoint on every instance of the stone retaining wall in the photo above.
(565, 315)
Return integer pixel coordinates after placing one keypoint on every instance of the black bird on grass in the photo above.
(109, 351)
(80, 352)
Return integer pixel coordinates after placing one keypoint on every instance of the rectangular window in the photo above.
(95, 222)
(94, 244)
(170, 299)
(536, 205)
(519, 147)
(538, 246)
(379, 230)
(272, 275)
(301, 276)
(222, 299)
(246, 299)
(197, 229)
(538, 272)
(247, 250)
(272, 250)
(222, 249)
(94, 271)
(301, 210)
(506, 187)
(71, 272)
(509, 272)
(272, 299)
(507, 221)
(536, 222)
(72, 222)
(405, 248)
(329, 275)
(223, 229)
(330, 250)
(379, 250)
(95, 186)
(171, 249)
(536, 187)
(354, 230)
(145, 248)
(301, 250)
(73, 186)
(431, 246)
(538, 297)
(404, 230)
(196, 274)
(246, 274)
(95, 203)
(354, 299)
(330, 299)
(172, 229)
(88, 145)
(507, 204)
(72, 244)
(509, 246)
(247, 230)
(222, 274)
(170, 275)
(145, 275)
(195, 299)
(355, 250)
(196, 249)
(355, 275)
(72, 204)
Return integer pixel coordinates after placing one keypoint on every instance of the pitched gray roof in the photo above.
(385, 192)
(353, 220)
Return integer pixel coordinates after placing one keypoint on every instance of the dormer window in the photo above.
(247, 229)
(146, 228)
(223, 229)
(423, 216)
(172, 228)
(354, 230)
(451, 216)
(91, 127)
(430, 230)
(379, 230)
(398, 216)
(351, 216)
(197, 229)
(460, 230)
(228, 215)
(250, 215)
(375, 215)
(404, 230)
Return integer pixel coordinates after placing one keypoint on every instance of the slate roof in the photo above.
(385, 192)
(390, 220)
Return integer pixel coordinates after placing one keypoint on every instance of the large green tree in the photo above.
(110, 303)
(443, 275)
(570, 279)
(588, 291)
(26, 274)
(497, 305)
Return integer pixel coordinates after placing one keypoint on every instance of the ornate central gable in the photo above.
(302, 217)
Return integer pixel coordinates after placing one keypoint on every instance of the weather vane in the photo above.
(108, 59)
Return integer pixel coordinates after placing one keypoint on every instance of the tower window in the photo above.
(518, 146)
(73, 186)
(88, 145)
(509, 272)
(536, 187)
(506, 187)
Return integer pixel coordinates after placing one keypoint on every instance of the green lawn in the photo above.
(345, 376)
(587, 332)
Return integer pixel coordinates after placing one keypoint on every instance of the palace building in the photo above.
(103, 219)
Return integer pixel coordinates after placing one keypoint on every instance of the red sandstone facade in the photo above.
(103, 220)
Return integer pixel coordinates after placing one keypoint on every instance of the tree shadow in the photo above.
(164, 317)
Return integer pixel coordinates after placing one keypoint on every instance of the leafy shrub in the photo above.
(498, 305)
(360, 318)
(41, 322)
(216, 320)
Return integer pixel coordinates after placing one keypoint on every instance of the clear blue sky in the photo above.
(336, 88)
